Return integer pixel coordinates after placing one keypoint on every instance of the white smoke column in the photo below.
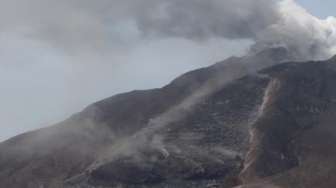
(305, 35)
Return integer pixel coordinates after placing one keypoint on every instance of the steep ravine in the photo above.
(290, 138)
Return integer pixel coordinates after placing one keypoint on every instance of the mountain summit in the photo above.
(248, 122)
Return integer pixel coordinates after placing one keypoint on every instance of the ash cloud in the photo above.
(268, 23)
(104, 25)
(99, 25)
(306, 36)
(199, 20)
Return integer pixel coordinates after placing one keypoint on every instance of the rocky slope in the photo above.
(233, 124)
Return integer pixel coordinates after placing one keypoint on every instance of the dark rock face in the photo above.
(221, 126)
(205, 145)
(294, 125)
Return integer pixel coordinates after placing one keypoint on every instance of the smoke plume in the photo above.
(267, 22)
(104, 25)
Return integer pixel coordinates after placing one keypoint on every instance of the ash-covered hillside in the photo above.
(247, 122)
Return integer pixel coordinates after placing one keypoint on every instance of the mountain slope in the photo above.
(221, 126)
(295, 132)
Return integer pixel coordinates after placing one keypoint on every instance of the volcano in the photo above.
(257, 121)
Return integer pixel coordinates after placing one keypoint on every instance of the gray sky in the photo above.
(56, 57)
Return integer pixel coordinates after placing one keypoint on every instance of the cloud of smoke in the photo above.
(102, 25)
(305, 35)
(268, 23)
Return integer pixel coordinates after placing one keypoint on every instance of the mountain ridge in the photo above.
(230, 124)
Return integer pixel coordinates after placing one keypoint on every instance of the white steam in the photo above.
(307, 36)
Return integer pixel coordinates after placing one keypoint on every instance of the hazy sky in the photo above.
(321, 9)
(54, 65)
